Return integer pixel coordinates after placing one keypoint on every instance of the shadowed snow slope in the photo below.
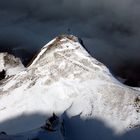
(64, 77)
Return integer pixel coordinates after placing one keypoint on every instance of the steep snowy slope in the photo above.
(10, 64)
(65, 78)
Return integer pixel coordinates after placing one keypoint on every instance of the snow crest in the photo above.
(10, 64)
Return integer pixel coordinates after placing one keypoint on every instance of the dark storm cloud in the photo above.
(110, 28)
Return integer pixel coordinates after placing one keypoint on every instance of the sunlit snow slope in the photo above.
(64, 77)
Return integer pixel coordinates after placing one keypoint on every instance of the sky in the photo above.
(109, 29)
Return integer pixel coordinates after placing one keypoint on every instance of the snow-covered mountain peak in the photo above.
(65, 78)
(10, 64)
(67, 56)
(61, 43)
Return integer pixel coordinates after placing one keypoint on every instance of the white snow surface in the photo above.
(65, 78)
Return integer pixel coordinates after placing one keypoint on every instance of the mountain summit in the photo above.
(64, 79)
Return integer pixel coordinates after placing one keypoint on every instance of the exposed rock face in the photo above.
(64, 77)
(2, 74)
(9, 65)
